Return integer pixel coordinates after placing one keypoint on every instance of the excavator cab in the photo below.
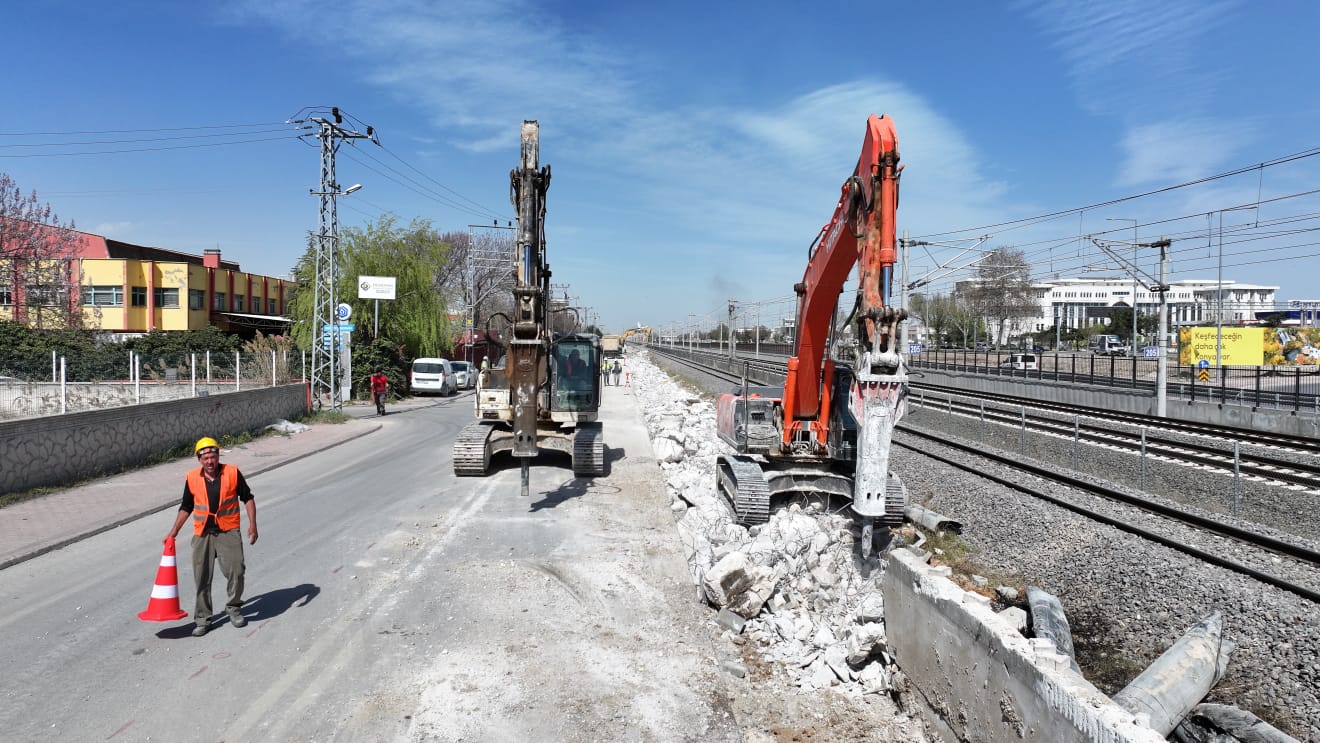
(575, 378)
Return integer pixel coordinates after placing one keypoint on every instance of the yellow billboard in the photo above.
(1241, 346)
(1250, 346)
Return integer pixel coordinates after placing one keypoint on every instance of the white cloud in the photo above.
(117, 230)
(1172, 152)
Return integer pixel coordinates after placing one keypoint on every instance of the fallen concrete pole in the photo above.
(1209, 723)
(930, 520)
(1049, 622)
(1180, 678)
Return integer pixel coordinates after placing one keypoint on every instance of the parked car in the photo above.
(1019, 361)
(432, 377)
(981, 346)
(465, 377)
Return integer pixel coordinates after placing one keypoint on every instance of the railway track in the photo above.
(1274, 458)
(1286, 564)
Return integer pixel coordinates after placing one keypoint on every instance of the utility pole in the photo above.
(732, 307)
(1162, 372)
(903, 294)
(331, 133)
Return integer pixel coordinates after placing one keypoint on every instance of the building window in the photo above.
(239, 299)
(256, 305)
(139, 296)
(103, 296)
(6, 295)
(166, 297)
(219, 302)
(41, 295)
(196, 299)
(270, 304)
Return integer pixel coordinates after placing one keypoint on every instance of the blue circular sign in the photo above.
(343, 311)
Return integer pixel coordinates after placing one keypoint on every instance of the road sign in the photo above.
(343, 312)
(915, 348)
(1203, 375)
(1150, 352)
(1203, 364)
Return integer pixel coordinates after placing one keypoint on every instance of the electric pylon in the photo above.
(326, 348)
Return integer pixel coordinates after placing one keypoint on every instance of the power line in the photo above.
(1027, 221)
(140, 131)
(149, 149)
(141, 139)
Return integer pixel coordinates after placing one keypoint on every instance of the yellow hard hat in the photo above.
(205, 442)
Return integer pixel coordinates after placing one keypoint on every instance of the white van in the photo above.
(432, 376)
(1026, 361)
(1106, 345)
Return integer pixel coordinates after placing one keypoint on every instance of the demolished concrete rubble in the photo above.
(795, 579)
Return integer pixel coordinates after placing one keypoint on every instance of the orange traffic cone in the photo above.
(164, 603)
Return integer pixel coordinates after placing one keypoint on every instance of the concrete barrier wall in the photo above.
(982, 680)
(56, 450)
(1130, 401)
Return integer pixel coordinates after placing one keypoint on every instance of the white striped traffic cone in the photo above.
(164, 603)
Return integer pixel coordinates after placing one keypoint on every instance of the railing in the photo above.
(62, 385)
(1283, 387)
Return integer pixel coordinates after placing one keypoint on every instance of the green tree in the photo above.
(416, 256)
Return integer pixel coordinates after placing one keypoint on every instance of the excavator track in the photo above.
(589, 450)
(743, 483)
(472, 450)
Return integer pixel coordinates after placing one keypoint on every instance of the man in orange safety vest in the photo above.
(211, 496)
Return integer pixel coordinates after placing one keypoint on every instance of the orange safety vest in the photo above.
(227, 516)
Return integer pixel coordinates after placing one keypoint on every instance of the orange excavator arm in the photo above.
(861, 232)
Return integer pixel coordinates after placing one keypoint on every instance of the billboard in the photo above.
(375, 287)
(1250, 346)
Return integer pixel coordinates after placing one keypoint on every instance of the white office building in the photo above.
(1082, 303)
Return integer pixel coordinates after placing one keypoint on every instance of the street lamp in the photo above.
(1134, 276)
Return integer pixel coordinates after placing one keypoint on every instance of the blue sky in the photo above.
(697, 148)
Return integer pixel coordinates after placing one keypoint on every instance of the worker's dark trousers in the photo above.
(227, 546)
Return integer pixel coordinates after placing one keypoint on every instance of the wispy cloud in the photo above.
(1149, 67)
(116, 230)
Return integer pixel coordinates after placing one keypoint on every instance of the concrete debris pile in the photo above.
(792, 585)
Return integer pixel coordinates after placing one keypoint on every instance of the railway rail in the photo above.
(1283, 563)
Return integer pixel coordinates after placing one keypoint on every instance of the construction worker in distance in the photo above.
(211, 494)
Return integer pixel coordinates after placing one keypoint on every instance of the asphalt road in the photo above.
(387, 600)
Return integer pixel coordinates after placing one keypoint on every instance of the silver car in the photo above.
(465, 377)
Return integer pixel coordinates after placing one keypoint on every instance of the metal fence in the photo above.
(79, 383)
(1282, 387)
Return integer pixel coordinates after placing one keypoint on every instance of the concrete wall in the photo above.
(1130, 401)
(55, 450)
(982, 680)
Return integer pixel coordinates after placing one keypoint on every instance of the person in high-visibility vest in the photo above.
(211, 497)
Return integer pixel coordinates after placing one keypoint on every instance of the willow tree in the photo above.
(419, 259)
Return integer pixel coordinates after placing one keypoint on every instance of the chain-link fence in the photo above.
(31, 387)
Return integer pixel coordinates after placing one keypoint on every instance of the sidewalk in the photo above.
(34, 527)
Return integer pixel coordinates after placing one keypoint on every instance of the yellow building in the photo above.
(132, 289)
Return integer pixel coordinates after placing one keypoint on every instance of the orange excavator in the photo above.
(827, 432)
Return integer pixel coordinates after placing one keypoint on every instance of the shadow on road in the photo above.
(275, 603)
